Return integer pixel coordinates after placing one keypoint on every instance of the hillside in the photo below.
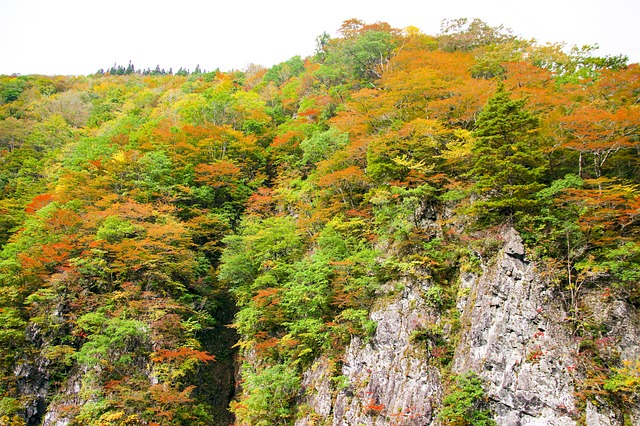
(402, 229)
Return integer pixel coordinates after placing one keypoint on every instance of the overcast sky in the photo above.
(82, 36)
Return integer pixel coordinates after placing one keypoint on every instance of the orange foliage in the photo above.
(121, 139)
(267, 344)
(436, 83)
(64, 221)
(56, 252)
(611, 206)
(343, 178)
(218, 174)
(267, 297)
(38, 202)
(600, 132)
(372, 407)
(167, 399)
(362, 114)
(345, 186)
(291, 138)
(620, 87)
(261, 203)
(180, 355)
(89, 187)
(536, 84)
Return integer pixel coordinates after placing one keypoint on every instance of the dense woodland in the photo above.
(144, 213)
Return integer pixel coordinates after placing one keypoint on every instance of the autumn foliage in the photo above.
(157, 229)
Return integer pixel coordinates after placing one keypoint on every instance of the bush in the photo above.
(269, 396)
(465, 404)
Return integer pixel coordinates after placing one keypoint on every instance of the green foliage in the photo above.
(462, 34)
(359, 322)
(625, 382)
(575, 65)
(11, 89)
(623, 263)
(361, 55)
(320, 146)
(13, 325)
(260, 255)
(285, 297)
(155, 169)
(127, 249)
(269, 396)
(490, 61)
(408, 154)
(280, 73)
(10, 409)
(114, 229)
(116, 342)
(508, 165)
(369, 52)
(397, 209)
(465, 403)
(434, 296)
(430, 334)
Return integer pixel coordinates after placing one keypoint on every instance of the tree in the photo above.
(11, 89)
(433, 82)
(269, 396)
(363, 52)
(460, 34)
(13, 133)
(73, 106)
(507, 162)
(409, 153)
(600, 133)
(321, 145)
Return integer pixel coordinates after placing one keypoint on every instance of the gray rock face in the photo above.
(516, 341)
(513, 245)
(515, 336)
(390, 375)
(621, 320)
(56, 414)
(33, 380)
(319, 392)
(597, 417)
(388, 379)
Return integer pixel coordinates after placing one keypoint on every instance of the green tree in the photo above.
(260, 257)
(283, 71)
(321, 145)
(269, 396)
(362, 54)
(507, 165)
(462, 35)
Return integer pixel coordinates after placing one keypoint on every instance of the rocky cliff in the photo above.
(515, 339)
(387, 378)
(514, 334)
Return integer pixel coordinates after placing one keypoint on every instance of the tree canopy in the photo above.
(156, 224)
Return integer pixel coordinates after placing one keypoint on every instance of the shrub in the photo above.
(465, 403)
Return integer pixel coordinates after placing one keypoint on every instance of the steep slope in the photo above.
(344, 223)
(516, 339)
(388, 377)
(514, 335)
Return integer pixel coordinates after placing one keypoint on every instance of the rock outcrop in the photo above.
(385, 380)
(514, 334)
(515, 339)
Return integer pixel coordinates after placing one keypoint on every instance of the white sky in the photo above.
(82, 36)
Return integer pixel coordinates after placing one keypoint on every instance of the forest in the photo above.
(180, 248)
